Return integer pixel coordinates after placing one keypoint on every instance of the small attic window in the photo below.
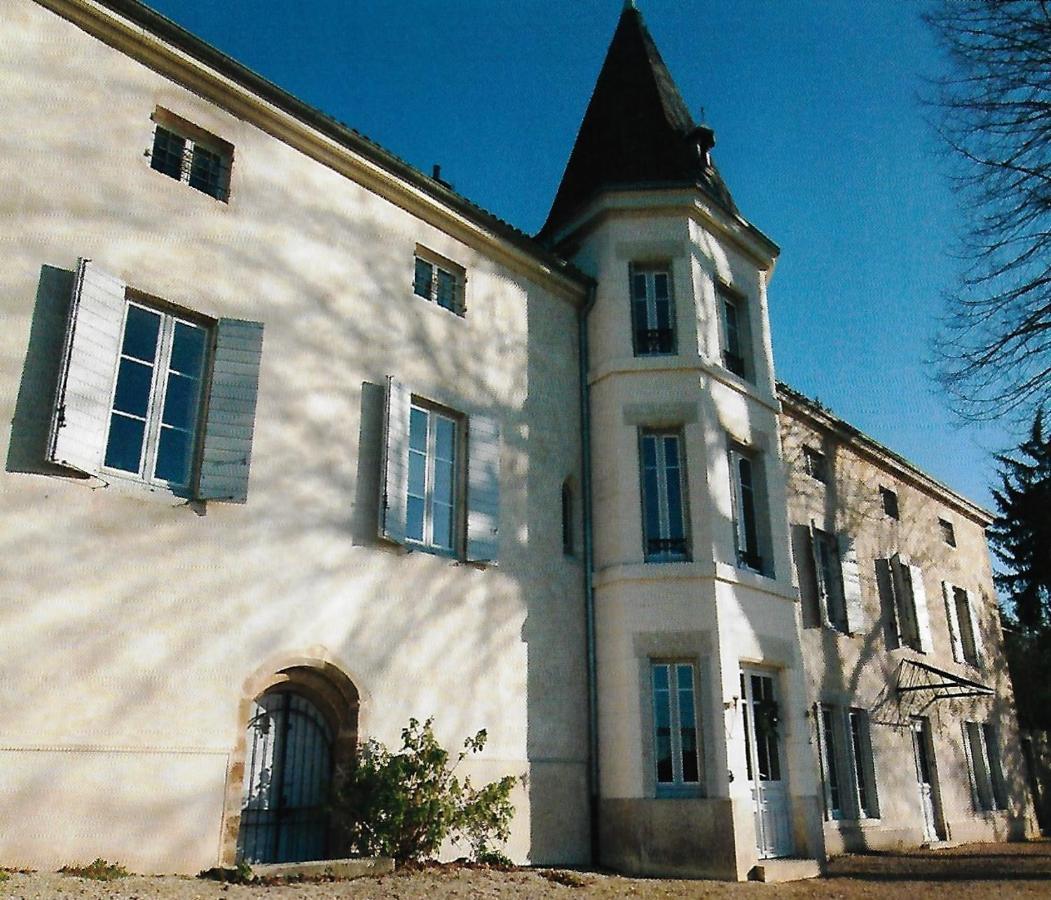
(187, 153)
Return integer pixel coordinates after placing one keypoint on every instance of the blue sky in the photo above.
(820, 137)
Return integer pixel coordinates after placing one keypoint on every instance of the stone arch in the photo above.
(326, 687)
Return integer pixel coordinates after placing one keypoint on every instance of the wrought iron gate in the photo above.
(288, 768)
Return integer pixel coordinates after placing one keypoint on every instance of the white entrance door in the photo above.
(921, 751)
(773, 828)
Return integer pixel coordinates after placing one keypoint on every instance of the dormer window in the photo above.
(653, 314)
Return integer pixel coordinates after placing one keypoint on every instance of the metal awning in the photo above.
(914, 675)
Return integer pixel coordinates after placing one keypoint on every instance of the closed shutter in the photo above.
(848, 561)
(395, 481)
(483, 489)
(954, 622)
(919, 602)
(976, 631)
(80, 418)
(230, 422)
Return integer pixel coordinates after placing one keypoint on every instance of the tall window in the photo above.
(663, 496)
(653, 314)
(154, 413)
(864, 771)
(676, 750)
(432, 480)
(830, 762)
(735, 336)
(189, 154)
(830, 579)
(948, 532)
(963, 627)
(746, 484)
(983, 756)
(846, 763)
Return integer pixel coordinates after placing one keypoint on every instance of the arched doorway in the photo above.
(301, 731)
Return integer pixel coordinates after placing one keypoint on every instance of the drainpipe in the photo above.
(589, 589)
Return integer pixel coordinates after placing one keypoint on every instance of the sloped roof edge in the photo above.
(200, 50)
(798, 401)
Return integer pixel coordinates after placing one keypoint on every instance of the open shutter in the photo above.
(976, 631)
(923, 616)
(886, 583)
(483, 489)
(395, 481)
(848, 560)
(822, 759)
(80, 419)
(954, 622)
(230, 422)
(820, 588)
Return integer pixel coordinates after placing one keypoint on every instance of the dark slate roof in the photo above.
(637, 131)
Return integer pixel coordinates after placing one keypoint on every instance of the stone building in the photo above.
(300, 444)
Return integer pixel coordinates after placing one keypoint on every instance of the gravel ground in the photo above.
(962, 873)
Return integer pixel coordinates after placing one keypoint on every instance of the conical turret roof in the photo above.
(637, 131)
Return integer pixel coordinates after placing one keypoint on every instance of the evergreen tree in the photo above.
(1021, 533)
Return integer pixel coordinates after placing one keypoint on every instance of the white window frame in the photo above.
(426, 541)
(829, 569)
(648, 275)
(197, 144)
(912, 613)
(748, 499)
(948, 531)
(735, 341)
(663, 552)
(159, 380)
(863, 764)
(847, 766)
(815, 464)
(678, 785)
(430, 288)
(981, 747)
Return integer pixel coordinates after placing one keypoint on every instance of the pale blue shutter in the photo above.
(919, 601)
(230, 423)
(483, 489)
(976, 631)
(80, 418)
(395, 482)
(954, 622)
(852, 599)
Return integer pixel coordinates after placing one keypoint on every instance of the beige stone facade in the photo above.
(431, 467)
(837, 482)
(138, 624)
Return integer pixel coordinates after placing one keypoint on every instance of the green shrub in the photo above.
(99, 870)
(405, 804)
(4, 875)
(241, 874)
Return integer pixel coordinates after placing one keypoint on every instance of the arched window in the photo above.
(287, 776)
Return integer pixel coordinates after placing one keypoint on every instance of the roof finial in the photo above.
(630, 4)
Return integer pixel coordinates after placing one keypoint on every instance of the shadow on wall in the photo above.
(173, 604)
(850, 503)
